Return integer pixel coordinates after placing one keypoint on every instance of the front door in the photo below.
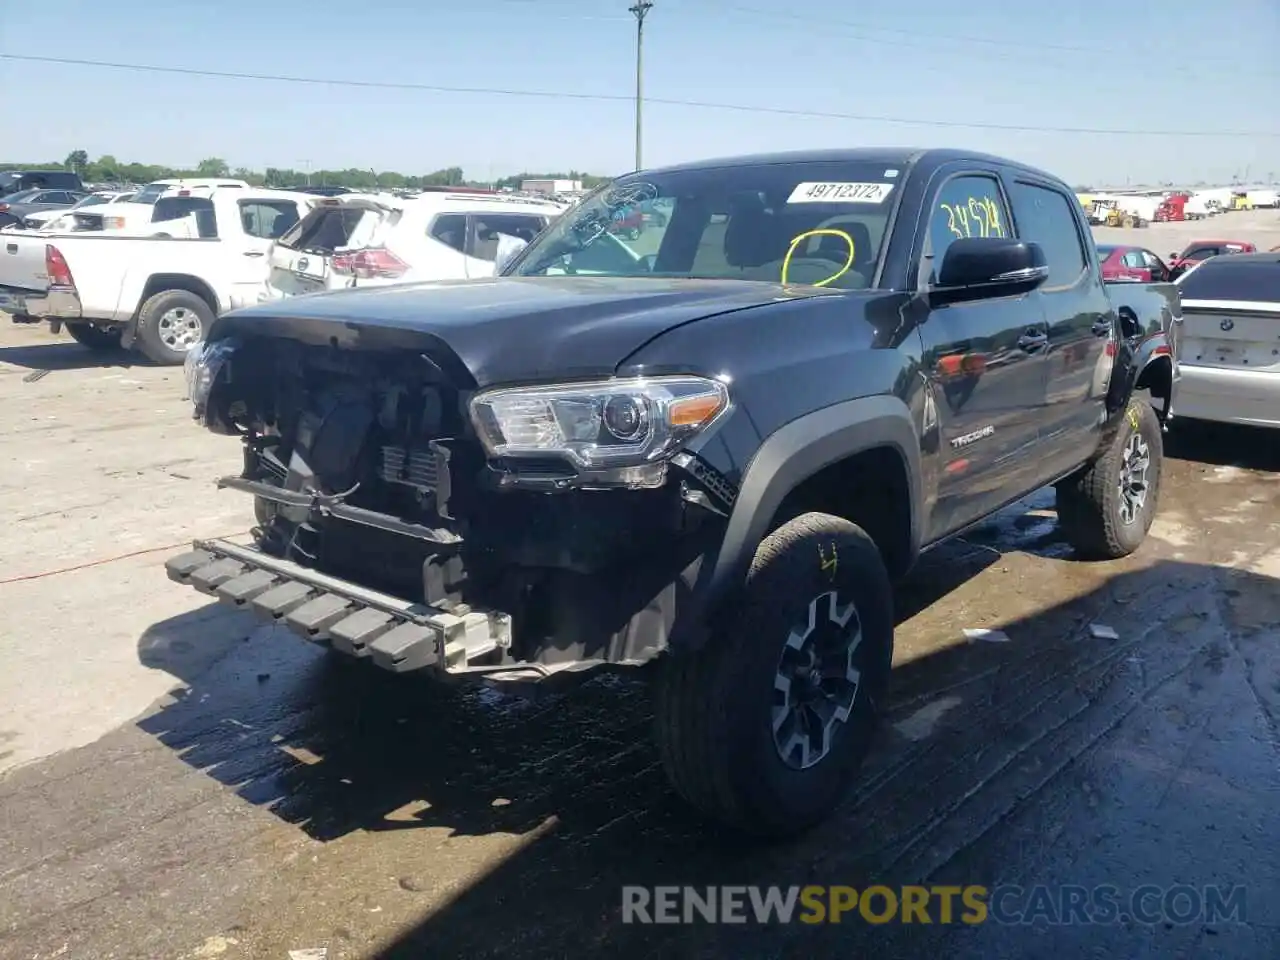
(1081, 325)
(985, 364)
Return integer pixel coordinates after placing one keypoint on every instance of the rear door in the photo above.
(1081, 324)
(483, 233)
(985, 360)
(261, 222)
(301, 260)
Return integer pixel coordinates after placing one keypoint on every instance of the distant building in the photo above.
(551, 186)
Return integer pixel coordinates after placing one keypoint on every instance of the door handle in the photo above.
(1032, 341)
(254, 253)
(1101, 328)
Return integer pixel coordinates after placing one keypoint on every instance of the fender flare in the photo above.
(1151, 350)
(791, 455)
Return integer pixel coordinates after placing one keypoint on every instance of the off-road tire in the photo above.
(713, 707)
(95, 338)
(149, 338)
(1089, 502)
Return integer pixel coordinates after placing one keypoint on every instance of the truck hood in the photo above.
(507, 329)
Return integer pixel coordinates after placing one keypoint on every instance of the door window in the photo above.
(1133, 260)
(451, 230)
(966, 206)
(1045, 216)
(267, 219)
(487, 227)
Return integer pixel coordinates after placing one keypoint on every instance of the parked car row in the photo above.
(154, 271)
(1128, 262)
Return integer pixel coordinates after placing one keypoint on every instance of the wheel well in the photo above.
(158, 283)
(1157, 379)
(869, 488)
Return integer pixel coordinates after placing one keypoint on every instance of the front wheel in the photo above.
(170, 323)
(765, 727)
(1107, 509)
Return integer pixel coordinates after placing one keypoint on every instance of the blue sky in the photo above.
(927, 60)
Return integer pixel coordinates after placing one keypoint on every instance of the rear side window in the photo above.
(175, 208)
(1233, 278)
(1047, 217)
(1134, 259)
(267, 219)
(489, 225)
(325, 229)
(451, 230)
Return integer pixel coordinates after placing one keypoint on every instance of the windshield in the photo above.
(818, 223)
(90, 201)
(150, 193)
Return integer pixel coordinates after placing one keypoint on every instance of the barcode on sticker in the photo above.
(840, 193)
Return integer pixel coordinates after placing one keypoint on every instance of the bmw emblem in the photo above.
(1227, 323)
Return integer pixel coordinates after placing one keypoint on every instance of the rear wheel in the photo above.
(95, 338)
(170, 323)
(1106, 510)
(765, 727)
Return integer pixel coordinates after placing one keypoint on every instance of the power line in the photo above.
(827, 23)
(618, 97)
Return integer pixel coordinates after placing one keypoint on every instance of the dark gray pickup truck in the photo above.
(705, 451)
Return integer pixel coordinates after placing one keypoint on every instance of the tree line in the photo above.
(107, 169)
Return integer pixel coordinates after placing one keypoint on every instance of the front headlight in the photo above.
(598, 426)
(200, 368)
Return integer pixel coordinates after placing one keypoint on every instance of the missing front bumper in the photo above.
(395, 634)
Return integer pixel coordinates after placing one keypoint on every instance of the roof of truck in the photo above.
(890, 156)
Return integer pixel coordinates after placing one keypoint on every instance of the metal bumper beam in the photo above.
(395, 634)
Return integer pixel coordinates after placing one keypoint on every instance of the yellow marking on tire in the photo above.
(828, 564)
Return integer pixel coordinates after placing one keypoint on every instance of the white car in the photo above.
(134, 215)
(52, 221)
(376, 240)
(112, 290)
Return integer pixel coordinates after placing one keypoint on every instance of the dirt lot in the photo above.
(182, 783)
(1260, 227)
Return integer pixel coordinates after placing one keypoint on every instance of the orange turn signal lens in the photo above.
(696, 410)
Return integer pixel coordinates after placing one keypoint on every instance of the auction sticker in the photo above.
(840, 193)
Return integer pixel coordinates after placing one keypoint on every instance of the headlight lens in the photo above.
(201, 367)
(602, 425)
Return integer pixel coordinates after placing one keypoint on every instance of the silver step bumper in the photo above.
(395, 634)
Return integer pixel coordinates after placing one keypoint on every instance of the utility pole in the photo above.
(641, 8)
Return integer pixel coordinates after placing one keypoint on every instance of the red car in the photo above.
(1121, 262)
(1198, 250)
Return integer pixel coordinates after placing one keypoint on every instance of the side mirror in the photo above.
(981, 268)
(508, 247)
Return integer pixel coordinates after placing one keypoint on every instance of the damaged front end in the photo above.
(406, 516)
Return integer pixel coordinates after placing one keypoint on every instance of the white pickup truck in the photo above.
(157, 294)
